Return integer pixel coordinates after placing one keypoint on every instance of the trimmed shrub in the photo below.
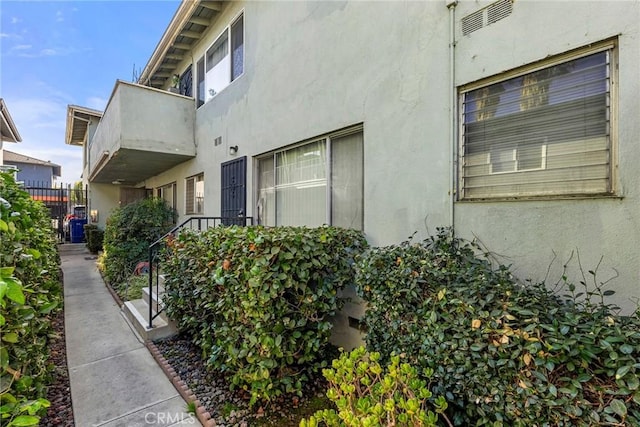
(368, 394)
(129, 232)
(258, 300)
(501, 353)
(94, 238)
(29, 291)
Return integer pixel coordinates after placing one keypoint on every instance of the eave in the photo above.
(78, 119)
(187, 26)
(8, 130)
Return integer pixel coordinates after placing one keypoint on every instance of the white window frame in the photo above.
(609, 46)
(192, 207)
(222, 71)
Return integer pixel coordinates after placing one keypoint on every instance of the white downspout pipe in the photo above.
(453, 112)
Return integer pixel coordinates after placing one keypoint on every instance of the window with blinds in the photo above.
(314, 183)
(194, 195)
(541, 133)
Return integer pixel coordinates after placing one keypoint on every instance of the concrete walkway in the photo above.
(114, 379)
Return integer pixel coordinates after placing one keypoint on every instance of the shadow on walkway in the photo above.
(114, 379)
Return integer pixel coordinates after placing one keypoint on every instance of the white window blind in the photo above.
(194, 195)
(543, 133)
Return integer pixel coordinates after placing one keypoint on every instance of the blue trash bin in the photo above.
(76, 228)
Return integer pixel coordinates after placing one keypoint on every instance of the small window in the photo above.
(186, 83)
(194, 195)
(541, 133)
(201, 86)
(222, 63)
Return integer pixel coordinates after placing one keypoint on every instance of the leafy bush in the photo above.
(129, 232)
(29, 291)
(366, 394)
(258, 300)
(502, 353)
(94, 238)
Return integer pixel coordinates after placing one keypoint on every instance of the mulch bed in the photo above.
(60, 413)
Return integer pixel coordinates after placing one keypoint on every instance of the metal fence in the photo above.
(62, 201)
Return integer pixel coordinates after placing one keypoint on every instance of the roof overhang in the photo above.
(187, 26)
(8, 130)
(78, 119)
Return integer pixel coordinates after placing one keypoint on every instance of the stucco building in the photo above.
(515, 122)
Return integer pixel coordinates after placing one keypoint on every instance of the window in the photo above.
(314, 183)
(168, 194)
(545, 132)
(200, 72)
(186, 86)
(194, 195)
(222, 63)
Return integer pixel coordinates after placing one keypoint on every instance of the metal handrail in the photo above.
(193, 223)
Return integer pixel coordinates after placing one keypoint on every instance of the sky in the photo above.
(56, 53)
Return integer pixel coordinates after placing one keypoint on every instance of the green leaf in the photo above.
(4, 358)
(618, 407)
(11, 337)
(476, 347)
(3, 226)
(6, 271)
(46, 309)
(622, 371)
(14, 290)
(35, 253)
(2, 320)
(626, 349)
(25, 420)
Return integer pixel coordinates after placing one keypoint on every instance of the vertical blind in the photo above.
(317, 183)
(542, 133)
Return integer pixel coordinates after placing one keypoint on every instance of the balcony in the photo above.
(143, 132)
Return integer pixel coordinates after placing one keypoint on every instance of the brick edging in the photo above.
(201, 413)
(113, 293)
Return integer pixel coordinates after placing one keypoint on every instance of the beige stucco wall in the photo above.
(534, 235)
(145, 119)
(314, 67)
(104, 199)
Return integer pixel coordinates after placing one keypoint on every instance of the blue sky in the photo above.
(55, 53)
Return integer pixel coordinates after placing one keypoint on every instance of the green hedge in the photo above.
(501, 353)
(258, 300)
(29, 291)
(129, 232)
(94, 238)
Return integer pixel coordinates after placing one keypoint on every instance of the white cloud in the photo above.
(15, 20)
(22, 47)
(59, 16)
(2, 35)
(51, 51)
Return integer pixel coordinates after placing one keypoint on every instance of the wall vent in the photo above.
(486, 16)
(217, 141)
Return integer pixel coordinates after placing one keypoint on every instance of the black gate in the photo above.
(62, 202)
(234, 191)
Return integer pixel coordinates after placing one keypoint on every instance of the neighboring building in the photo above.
(514, 122)
(33, 172)
(8, 131)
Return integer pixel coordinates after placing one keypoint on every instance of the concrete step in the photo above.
(155, 299)
(137, 313)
